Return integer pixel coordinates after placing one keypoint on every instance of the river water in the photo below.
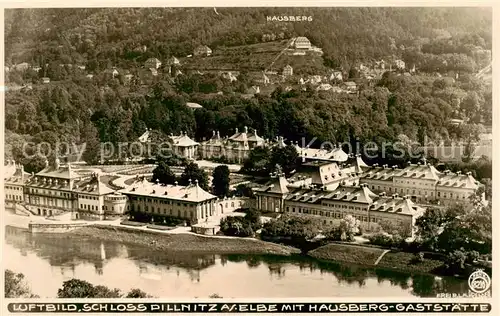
(49, 260)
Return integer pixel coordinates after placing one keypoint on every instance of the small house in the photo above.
(21, 67)
(202, 50)
(287, 71)
(89, 76)
(336, 75)
(152, 63)
(111, 72)
(45, 80)
(400, 64)
(253, 90)
(173, 61)
(193, 105)
(350, 86)
(324, 87)
(315, 79)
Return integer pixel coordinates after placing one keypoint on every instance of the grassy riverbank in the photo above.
(184, 242)
(367, 256)
(347, 253)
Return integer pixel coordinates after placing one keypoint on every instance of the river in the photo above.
(48, 260)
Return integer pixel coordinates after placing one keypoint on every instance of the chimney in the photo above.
(236, 131)
(246, 129)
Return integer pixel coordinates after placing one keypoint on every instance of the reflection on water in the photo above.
(49, 260)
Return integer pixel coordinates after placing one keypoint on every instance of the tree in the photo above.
(258, 161)
(34, 164)
(75, 288)
(349, 226)
(163, 174)
(15, 286)
(137, 293)
(192, 173)
(220, 182)
(285, 157)
(244, 190)
(92, 153)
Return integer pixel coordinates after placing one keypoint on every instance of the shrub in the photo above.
(418, 257)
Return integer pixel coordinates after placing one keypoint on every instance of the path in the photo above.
(380, 257)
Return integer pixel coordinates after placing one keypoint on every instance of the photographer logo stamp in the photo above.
(479, 282)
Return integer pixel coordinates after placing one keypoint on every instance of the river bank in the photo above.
(375, 257)
(182, 242)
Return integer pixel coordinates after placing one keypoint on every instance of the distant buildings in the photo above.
(45, 80)
(202, 50)
(302, 43)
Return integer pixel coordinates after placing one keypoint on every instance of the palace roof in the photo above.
(190, 193)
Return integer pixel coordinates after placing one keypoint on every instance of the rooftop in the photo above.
(190, 193)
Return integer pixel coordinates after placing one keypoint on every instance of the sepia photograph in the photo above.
(213, 153)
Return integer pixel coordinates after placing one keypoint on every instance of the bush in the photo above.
(237, 226)
(384, 240)
(15, 286)
(418, 257)
(455, 262)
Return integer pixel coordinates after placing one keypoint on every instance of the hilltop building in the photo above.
(302, 43)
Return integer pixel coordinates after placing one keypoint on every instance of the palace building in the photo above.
(190, 203)
(235, 148)
(58, 189)
(422, 183)
(330, 206)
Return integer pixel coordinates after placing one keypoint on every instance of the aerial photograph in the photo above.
(277, 152)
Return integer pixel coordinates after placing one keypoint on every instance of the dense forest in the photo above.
(397, 107)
